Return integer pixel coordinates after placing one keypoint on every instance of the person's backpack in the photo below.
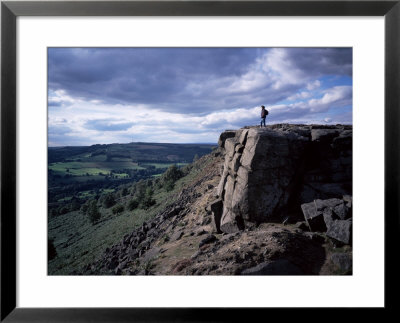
(266, 112)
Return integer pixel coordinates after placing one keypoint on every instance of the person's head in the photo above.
(263, 107)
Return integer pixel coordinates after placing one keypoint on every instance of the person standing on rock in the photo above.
(264, 114)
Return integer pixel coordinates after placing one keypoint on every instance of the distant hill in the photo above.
(135, 152)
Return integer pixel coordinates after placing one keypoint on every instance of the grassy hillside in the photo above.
(78, 242)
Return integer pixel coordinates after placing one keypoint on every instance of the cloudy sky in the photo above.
(185, 95)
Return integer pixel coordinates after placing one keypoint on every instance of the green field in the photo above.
(91, 168)
(98, 169)
(163, 165)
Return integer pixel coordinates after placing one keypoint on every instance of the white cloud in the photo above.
(313, 85)
(278, 64)
(151, 124)
(205, 104)
(338, 96)
(300, 96)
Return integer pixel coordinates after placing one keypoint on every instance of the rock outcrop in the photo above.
(270, 201)
(269, 172)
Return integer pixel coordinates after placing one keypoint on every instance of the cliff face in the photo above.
(269, 172)
(268, 201)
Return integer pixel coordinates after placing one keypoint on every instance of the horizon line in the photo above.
(139, 142)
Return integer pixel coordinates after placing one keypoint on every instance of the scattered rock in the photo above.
(176, 236)
(196, 254)
(313, 217)
(337, 206)
(201, 232)
(209, 239)
(180, 265)
(340, 230)
(343, 261)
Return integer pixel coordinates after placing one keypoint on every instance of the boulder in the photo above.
(209, 239)
(258, 180)
(332, 216)
(313, 217)
(225, 135)
(335, 207)
(340, 230)
(176, 236)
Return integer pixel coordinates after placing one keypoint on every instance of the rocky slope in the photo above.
(274, 201)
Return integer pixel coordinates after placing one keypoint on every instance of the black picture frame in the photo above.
(10, 10)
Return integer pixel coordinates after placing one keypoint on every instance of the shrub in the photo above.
(117, 209)
(84, 207)
(171, 175)
(169, 185)
(148, 200)
(109, 200)
(93, 212)
(124, 192)
(133, 204)
(140, 190)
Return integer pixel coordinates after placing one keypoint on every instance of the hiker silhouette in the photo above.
(264, 114)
